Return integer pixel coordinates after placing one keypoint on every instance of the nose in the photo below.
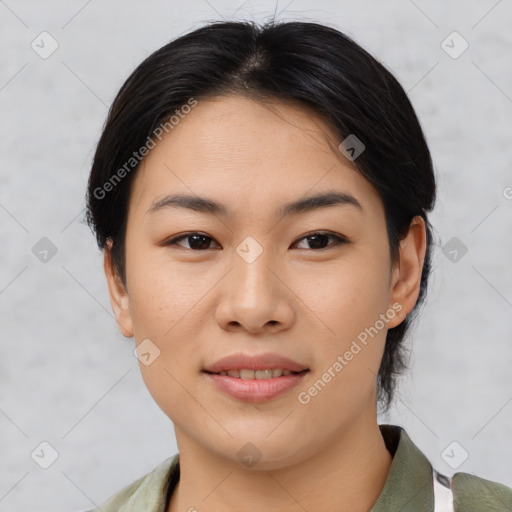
(254, 294)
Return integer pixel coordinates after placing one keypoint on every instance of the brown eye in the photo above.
(197, 241)
(319, 240)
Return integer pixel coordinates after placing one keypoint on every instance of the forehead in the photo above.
(248, 155)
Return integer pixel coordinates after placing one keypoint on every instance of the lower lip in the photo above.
(256, 390)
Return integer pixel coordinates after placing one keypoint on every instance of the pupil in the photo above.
(204, 245)
(315, 238)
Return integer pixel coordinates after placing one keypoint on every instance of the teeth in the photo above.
(256, 374)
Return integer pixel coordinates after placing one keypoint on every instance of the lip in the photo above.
(264, 361)
(256, 390)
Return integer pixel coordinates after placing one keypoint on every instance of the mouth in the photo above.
(248, 374)
(255, 377)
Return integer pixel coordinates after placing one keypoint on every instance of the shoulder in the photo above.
(414, 484)
(118, 500)
(475, 494)
(147, 493)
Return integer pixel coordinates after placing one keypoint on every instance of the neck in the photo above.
(348, 475)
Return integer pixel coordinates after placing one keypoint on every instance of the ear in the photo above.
(406, 275)
(118, 295)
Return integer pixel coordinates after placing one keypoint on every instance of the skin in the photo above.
(300, 301)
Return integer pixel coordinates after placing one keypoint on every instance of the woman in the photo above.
(227, 157)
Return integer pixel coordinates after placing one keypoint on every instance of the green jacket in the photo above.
(412, 485)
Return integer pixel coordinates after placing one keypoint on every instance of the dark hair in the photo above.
(309, 64)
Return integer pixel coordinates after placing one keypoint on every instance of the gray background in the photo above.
(68, 377)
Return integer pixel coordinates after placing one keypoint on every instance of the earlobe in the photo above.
(406, 280)
(118, 295)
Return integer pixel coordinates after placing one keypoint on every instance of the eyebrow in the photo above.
(211, 207)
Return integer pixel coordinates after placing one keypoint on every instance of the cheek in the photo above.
(160, 293)
(345, 306)
(346, 298)
(165, 303)
(165, 312)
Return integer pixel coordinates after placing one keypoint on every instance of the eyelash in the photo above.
(338, 240)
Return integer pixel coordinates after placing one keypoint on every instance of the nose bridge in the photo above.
(253, 262)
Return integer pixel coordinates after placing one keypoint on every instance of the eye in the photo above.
(198, 241)
(319, 238)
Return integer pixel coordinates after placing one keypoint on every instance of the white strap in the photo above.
(443, 495)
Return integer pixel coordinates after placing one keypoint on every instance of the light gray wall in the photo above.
(68, 377)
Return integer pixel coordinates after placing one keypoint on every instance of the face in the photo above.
(313, 284)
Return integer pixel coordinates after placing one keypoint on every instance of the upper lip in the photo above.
(242, 361)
